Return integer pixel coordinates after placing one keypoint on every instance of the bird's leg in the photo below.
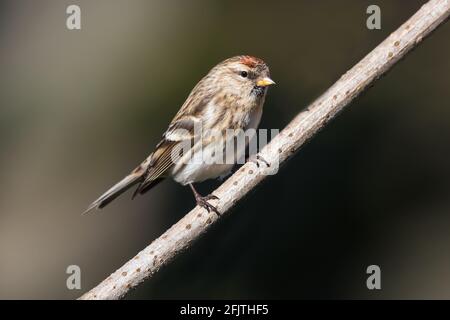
(256, 159)
(203, 201)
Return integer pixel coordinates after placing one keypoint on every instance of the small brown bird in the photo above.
(230, 96)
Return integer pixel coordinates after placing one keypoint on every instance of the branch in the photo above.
(306, 124)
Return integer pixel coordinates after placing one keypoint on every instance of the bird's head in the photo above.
(242, 75)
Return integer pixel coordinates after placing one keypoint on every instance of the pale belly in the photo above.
(198, 170)
(203, 165)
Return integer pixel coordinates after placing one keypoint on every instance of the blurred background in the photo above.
(80, 109)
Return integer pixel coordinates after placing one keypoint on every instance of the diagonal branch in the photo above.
(306, 124)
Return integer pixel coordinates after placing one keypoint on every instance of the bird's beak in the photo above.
(264, 82)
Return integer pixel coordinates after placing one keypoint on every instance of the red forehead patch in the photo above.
(250, 61)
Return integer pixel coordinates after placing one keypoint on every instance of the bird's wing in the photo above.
(151, 171)
(169, 150)
(180, 131)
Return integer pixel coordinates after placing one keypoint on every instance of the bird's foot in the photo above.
(256, 159)
(203, 202)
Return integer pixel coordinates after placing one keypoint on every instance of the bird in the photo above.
(228, 99)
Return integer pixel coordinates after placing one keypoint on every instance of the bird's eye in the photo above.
(244, 74)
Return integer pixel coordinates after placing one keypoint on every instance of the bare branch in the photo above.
(162, 250)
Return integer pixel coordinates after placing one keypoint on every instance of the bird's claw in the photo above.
(256, 159)
(203, 202)
(211, 197)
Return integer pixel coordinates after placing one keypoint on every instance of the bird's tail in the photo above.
(133, 178)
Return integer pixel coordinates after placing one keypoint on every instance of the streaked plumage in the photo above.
(230, 96)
